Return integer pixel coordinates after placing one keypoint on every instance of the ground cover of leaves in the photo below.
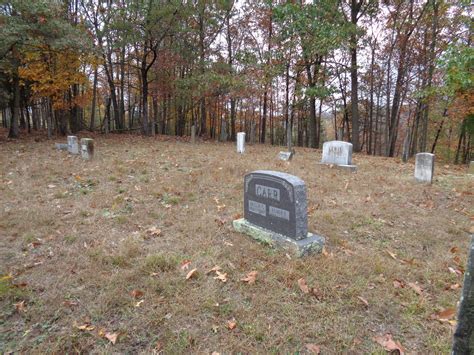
(135, 252)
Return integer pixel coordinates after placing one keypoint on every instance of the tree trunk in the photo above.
(94, 99)
(13, 133)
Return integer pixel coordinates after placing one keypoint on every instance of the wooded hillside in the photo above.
(392, 77)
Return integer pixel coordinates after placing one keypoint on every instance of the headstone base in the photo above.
(352, 168)
(286, 156)
(61, 146)
(313, 244)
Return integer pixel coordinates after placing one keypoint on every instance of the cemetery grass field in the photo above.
(94, 255)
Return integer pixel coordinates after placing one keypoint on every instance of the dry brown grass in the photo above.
(74, 238)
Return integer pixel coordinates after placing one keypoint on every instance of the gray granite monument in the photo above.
(87, 148)
(275, 212)
(72, 145)
(339, 154)
(424, 167)
(463, 342)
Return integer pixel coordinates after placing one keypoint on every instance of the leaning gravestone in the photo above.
(241, 142)
(424, 167)
(275, 212)
(87, 148)
(72, 145)
(463, 342)
(339, 154)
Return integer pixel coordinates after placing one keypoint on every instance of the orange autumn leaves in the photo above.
(219, 274)
(51, 74)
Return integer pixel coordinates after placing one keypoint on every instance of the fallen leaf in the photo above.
(86, 326)
(393, 256)
(70, 303)
(398, 284)
(191, 274)
(221, 276)
(455, 271)
(387, 342)
(158, 346)
(136, 293)
(411, 261)
(185, 264)
(453, 287)
(154, 231)
(112, 337)
(214, 269)
(231, 324)
(303, 286)
(363, 300)
(20, 306)
(313, 348)
(444, 315)
(317, 293)
(250, 278)
(416, 288)
(457, 260)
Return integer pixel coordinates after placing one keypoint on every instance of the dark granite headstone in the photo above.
(463, 342)
(276, 201)
(275, 212)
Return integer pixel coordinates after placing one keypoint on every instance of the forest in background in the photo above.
(392, 77)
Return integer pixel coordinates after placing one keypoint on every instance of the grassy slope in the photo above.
(74, 237)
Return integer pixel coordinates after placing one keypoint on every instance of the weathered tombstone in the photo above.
(61, 146)
(241, 142)
(275, 212)
(339, 154)
(193, 134)
(72, 145)
(471, 167)
(287, 156)
(87, 148)
(424, 167)
(463, 342)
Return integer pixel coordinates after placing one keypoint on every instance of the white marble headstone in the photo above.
(241, 142)
(72, 145)
(337, 153)
(424, 167)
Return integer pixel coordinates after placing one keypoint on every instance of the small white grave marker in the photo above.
(241, 142)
